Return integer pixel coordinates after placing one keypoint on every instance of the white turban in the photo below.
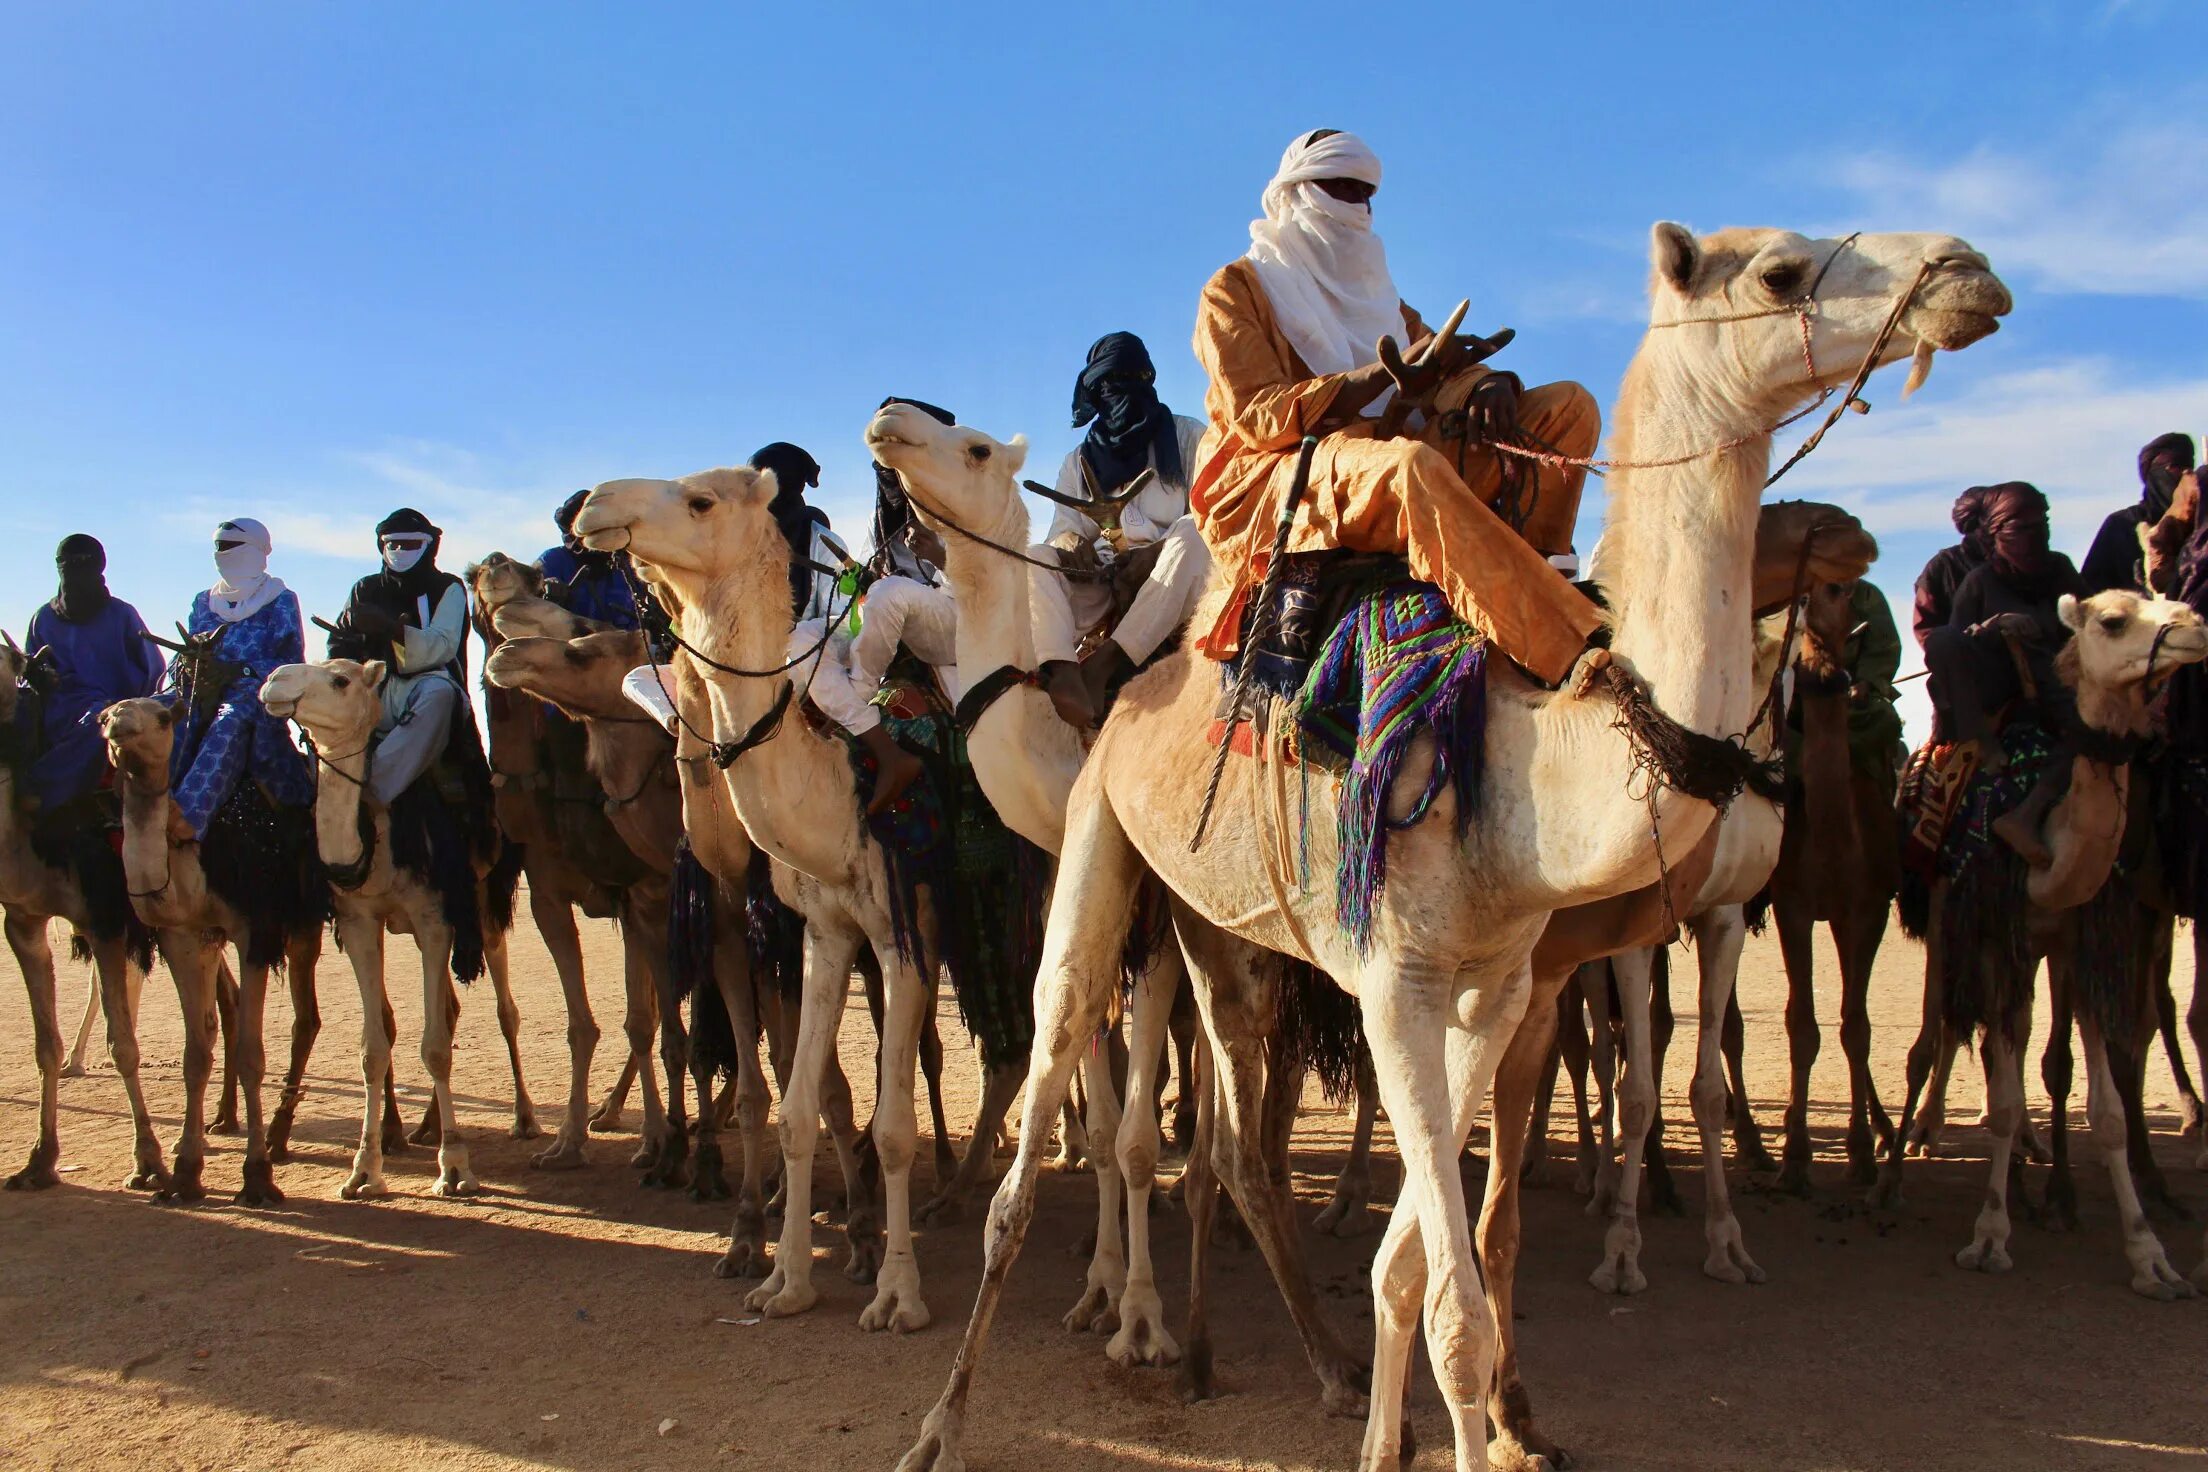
(242, 586)
(1324, 270)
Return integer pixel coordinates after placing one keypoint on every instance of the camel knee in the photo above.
(2105, 1117)
(2004, 1117)
(1708, 1096)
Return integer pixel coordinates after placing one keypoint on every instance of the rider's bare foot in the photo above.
(1069, 693)
(895, 768)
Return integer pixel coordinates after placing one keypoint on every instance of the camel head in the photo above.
(692, 532)
(336, 702)
(15, 670)
(2125, 648)
(139, 735)
(952, 471)
(499, 580)
(509, 601)
(1727, 313)
(580, 676)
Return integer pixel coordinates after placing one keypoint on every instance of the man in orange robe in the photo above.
(1289, 335)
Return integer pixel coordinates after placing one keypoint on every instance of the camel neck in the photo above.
(338, 792)
(992, 593)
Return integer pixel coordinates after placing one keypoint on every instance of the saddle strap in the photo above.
(983, 693)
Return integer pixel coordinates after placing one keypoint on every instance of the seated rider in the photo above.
(904, 605)
(587, 584)
(2004, 628)
(224, 735)
(2114, 559)
(413, 615)
(1947, 568)
(95, 645)
(1289, 336)
(1130, 431)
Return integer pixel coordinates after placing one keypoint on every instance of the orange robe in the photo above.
(1401, 495)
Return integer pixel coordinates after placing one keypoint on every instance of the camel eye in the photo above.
(2114, 622)
(1783, 279)
(699, 505)
(339, 682)
(980, 453)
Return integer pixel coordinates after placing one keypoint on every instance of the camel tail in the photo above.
(690, 920)
(1319, 1027)
(774, 932)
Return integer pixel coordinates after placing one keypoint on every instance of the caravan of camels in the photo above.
(1300, 746)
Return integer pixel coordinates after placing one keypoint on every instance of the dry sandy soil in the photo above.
(558, 1320)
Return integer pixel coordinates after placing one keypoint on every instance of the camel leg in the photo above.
(1187, 1100)
(120, 993)
(1797, 932)
(1747, 1134)
(1235, 990)
(192, 963)
(360, 937)
(1098, 1307)
(440, 1013)
(1098, 874)
(639, 1026)
(830, 944)
(1602, 1065)
(2196, 1023)
(1988, 1251)
(1931, 1128)
(606, 1119)
(2151, 1273)
(910, 992)
(1718, 939)
(1200, 1196)
(509, 1026)
(747, 1238)
(1620, 1268)
(1857, 939)
(556, 927)
(1000, 1086)
(74, 1068)
(1663, 1193)
(2191, 1112)
(1433, 1079)
(1577, 1051)
(302, 955)
(1518, 1444)
(1933, 1041)
(225, 1121)
(258, 1187)
(1142, 1338)
(669, 1166)
(395, 1137)
(931, 1068)
(1348, 1213)
(2056, 1071)
(34, 957)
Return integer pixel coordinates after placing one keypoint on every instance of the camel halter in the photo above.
(1800, 311)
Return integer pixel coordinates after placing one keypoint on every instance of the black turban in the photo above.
(2158, 482)
(1117, 397)
(82, 563)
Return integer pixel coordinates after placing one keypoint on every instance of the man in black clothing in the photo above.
(1945, 572)
(2114, 561)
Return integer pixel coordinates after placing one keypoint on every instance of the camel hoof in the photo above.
(38, 1172)
(147, 1177)
(565, 1154)
(937, 1448)
(895, 1310)
(224, 1124)
(1088, 1313)
(744, 1259)
(2162, 1284)
(606, 1122)
(946, 1210)
(1345, 1389)
(363, 1186)
(259, 1186)
(708, 1178)
(1793, 1178)
(183, 1186)
(525, 1128)
(1348, 1214)
(394, 1140)
(1754, 1159)
(428, 1132)
(454, 1178)
(1985, 1256)
(1619, 1275)
(74, 1068)
(946, 1163)
(784, 1303)
(867, 1246)
(1142, 1339)
(646, 1156)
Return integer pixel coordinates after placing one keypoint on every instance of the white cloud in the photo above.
(2100, 209)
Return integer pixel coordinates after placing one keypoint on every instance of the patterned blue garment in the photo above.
(242, 740)
(100, 661)
(594, 590)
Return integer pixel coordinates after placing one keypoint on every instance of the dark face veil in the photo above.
(82, 563)
(1116, 396)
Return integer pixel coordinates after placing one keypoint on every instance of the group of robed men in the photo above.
(1288, 335)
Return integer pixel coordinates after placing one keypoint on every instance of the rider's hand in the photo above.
(2019, 626)
(1493, 408)
(376, 625)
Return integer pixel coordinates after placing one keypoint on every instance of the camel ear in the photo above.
(1015, 453)
(373, 672)
(1675, 253)
(2071, 612)
(164, 715)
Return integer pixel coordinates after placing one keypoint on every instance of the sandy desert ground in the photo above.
(560, 1319)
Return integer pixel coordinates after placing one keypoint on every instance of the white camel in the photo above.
(1762, 320)
(338, 703)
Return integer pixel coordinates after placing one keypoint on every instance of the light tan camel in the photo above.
(338, 704)
(965, 484)
(33, 893)
(632, 759)
(2123, 649)
(170, 891)
(506, 599)
(1446, 977)
(709, 538)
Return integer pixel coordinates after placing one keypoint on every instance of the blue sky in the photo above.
(309, 263)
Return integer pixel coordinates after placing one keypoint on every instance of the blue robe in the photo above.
(594, 591)
(102, 660)
(242, 740)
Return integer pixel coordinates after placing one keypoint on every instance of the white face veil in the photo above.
(242, 585)
(1322, 267)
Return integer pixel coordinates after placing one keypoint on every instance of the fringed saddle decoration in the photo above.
(1400, 664)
